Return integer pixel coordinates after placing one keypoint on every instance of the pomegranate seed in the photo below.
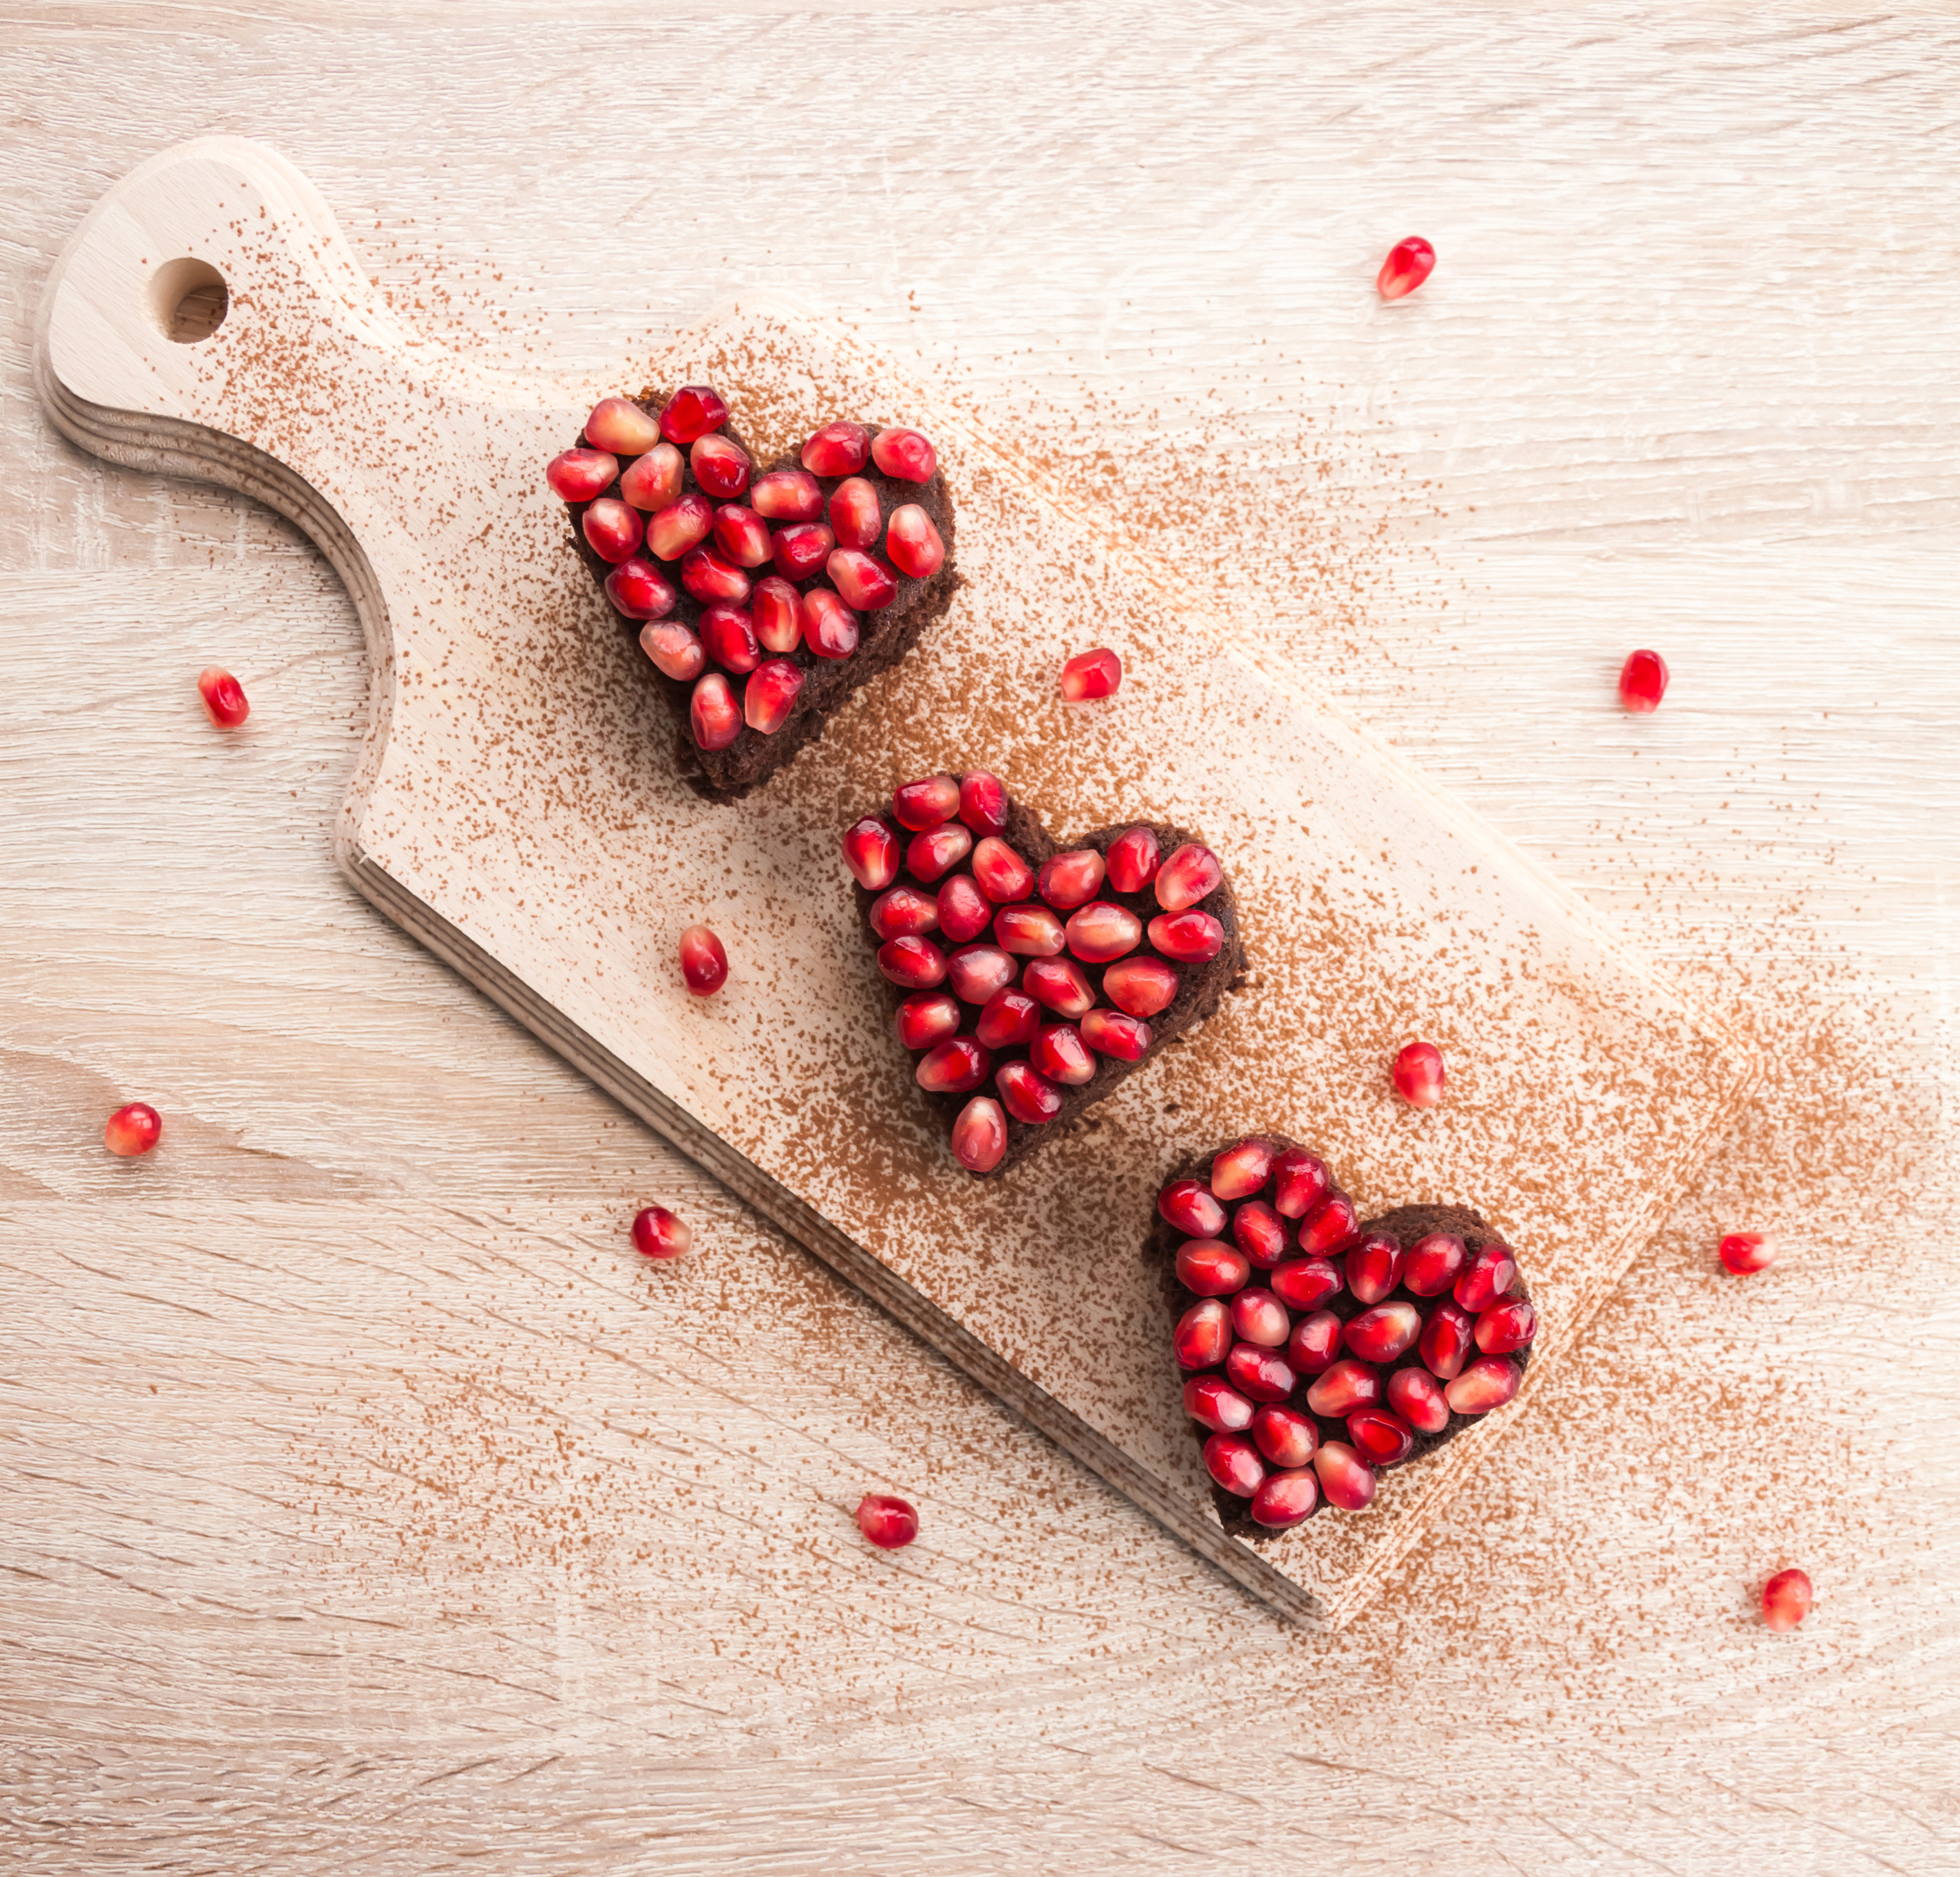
(1234, 1463)
(618, 425)
(660, 1233)
(912, 543)
(1258, 1316)
(829, 626)
(1071, 879)
(865, 581)
(871, 852)
(655, 481)
(983, 801)
(928, 1018)
(612, 530)
(1133, 859)
(1344, 1387)
(1347, 1482)
(1210, 1267)
(1110, 1033)
(974, 973)
(925, 803)
(837, 450)
(1491, 1272)
(905, 454)
(1373, 1267)
(224, 702)
(680, 527)
(1414, 1394)
(1384, 1332)
(1506, 1326)
(1263, 1374)
(1787, 1599)
(1306, 1283)
(1203, 1335)
(1091, 675)
(938, 850)
(854, 514)
(1743, 1252)
(1284, 1435)
(800, 552)
(1434, 1263)
(1188, 877)
(636, 589)
(889, 1523)
(730, 636)
(711, 710)
(1140, 986)
(1190, 1206)
(1058, 983)
(1489, 1381)
(1002, 876)
(771, 694)
(1381, 1438)
(134, 1128)
(710, 578)
(980, 1135)
(904, 912)
(1257, 1232)
(1189, 937)
(1446, 1342)
(742, 535)
(953, 1068)
(1242, 1170)
(1299, 1179)
(691, 412)
(1029, 1096)
(1644, 682)
(787, 495)
(1010, 1019)
(1409, 264)
(1286, 1500)
(704, 963)
(912, 964)
(577, 476)
(964, 913)
(1102, 931)
(1060, 1054)
(1213, 1402)
(673, 648)
(1328, 1226)
(777, 609)
(1418, 1075)
(1315, 1344)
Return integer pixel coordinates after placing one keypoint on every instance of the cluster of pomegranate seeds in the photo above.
(1644, 681)
(660, 1233)
(704, 961)
(1090, 675)
(134, 1128)
(223, 698)
(1743, 1252)
(890, 1523)
(1787, 1599)
(1410, 263)
(1419, 1074)
(1317, 1354)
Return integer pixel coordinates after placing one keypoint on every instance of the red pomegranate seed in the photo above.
(980, 1135)
(1212, 1402)
(983, 801)
(938, 850)
(1381, 1438)
(871, 852)
(777, 608)
(1240, 1171)
(1203, 1335)
(1434, 1263)
(1133, 859)
(1409, 264)
(912, 543)
(1414, 1394)
(905, 454)
(928, 1018)
(1258, 1232)
(692, 412)
(1029, 1096)
(1091, 675)
(904, 912)
(925, 803)
(912, 964)
(1210, 1267)
(1189, 937)
(618, 425)
(673, 648)
(680, 527)
(1345, 1386)
(1058, 983)
(1234, 1463)
(1489, 1381)
(1643, 682)
(1102, 931)
(660, 1233)
(1315, 1344)
(742, 535)
(1491, 1272)
(864, 580)
(889, 1523)
(1110, 1033)
(1010, 1019)
(730, 636)
(612, 530)
(711, 710)
(1384, 1332)
(1188, 1204)
(577, 476)
(710, 578)
(800, 551)
(953, 1068)
(854, 514)
(787, 495)
(964, 913)
(1060, 1054)
(1346, 1481)
(1263, 1374)
(223, 696)
(1419, 1074)
(1071, 879)
(1506, 1326)
(771, 694)
(1299, 1179)
(1188, 876)
(1327, 1226)
(1258, 1316)
(1285, 1500)
(1787, 1599)
(134, 1128)
(837, 450)
(1373, 1267)
(655, 481)
(829, 626)
(1284, 1435)
(636, 589)
(704, 963)
(1743, 1252)
(1445, 1343)
(976, 973)
(1306, 1283)
(1002, 876)
(1140, 986)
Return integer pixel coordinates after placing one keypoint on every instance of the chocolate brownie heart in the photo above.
(1317, 1348)
(761, 601)
(1027, 978)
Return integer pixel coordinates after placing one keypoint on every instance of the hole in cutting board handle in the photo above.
(189, 300)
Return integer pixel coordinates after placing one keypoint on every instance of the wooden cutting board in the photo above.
(515, 808)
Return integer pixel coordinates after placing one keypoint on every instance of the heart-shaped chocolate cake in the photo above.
(1317, 1348)
(762, 600)
(1027, 978)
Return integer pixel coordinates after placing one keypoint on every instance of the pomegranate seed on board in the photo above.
(854, 514)
(1132, 860)
(1258, 1316)
(1299, 1179)
(611, 530)
(1203, 1335)
(912, 964)
(673, 648)
(1284, 1435)
(1489, 1381)
(619, 425)
(1212, 1402)
(1327, 1226)
(1344, 1478)
(730, 636)
(829, 626)
(638, 588)
(1259, 1232)
(1209, 1268)
(1188, 876)
(1029, 1095)
(134, 1128)
(703, 961)
(1140, 986)
(871, 852)
(1409, 264)
(1787, 1599)
(1306, 1284)
(955, 1067)
(1002, 876)
(1492, 1269)
(1234, 1463)
(1263, 1374)
(1345, 1386)
(1102, 931)
(1415, 1395)
(1381, 1438)
(1071, 879)
(1743, 1252)
(577, 476)
(1384, 1332)
(680, 527)
(800, 551)
(771, 694)
(1091, 675)
(1434, 1263)
(787, 495)
(976, 973)
(711, 710)
(925, 803)
(912, 543)
(927, 1018)
(655, 481)
(1506, 1326)
(1189, 937)
(1110, 1033)
(691, 412)
(742, 535)
(710, 578)
(837, 450)
(1314, 1345)
(980, 1135)
(1060, 1054)
(1643, 682)
(904, 912)
(1373, 1267)
(864, 580)
(660, 1233)
(1058, 983)
(1286, 1500)
(1010, 1018)
(777, 608)
(1241, 1170)
(1190, 1206)
(939, 850)
(983, 801)
(963, 913)
(905, 454)
(1419, 1074)
(889, 1523)
(224, 702)
(1445, 1343)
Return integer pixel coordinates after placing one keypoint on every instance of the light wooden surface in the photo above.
(487, 1587)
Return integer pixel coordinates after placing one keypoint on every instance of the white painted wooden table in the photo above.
(366, 1508)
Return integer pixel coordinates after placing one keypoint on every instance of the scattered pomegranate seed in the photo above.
(134, 1128)
(1344, 1478)
(1071, 879)
(224, 697)
(1489, 1381)
(730, 636)
(1306, 1283)
(955, 1067)
(1314, 1345)
(1381, 1438)
(983, 801)
(777, 609)
(1209, 1268)
(976, 973)
(1285, 1500)
(1242, 1169)
(1102, 931)
(1258, 1316)
(680, 527)
(1133, 859)
(1259, 1232)
(904, 912)
(655, 481)
(1506, 1326)
(830, 627)
(854, 514)
(925, 803)
(912, 543)
(673, 648)
(611, 530)
(963, 913)
(1409, 264)
(1299, 1180)
(1787, 1599)
(1419, 1074)
(928, 1018)
(980, 1135)
(1345, 1386)
(577, 476)
(1212, 1402)
(799, 552)
(905, 454)
(1190, 938)
(1434, 1263)
(710, 578)
(865, 581)
(1263, 1374)
(1060, 1054)
(619, 425)
(1188, 877)
(1384, 1332)
(1414, 1395)
(939, 850)
(1110, 1033)
(691, 413)
(891, 1524)
(1010, 1019)
(1190, 1206)
(1643, 682)
(1327, 1226)
(1234, 1463)
(912, 964)
(636, 588)
(712, 712)
(787, 495)
(1492, 1269)
(838, 450)
(1140, 986)
(1029, 1095)
(1091, 675)
(1203, 1335)
(1373, 1267)
(1002, 875)
(742, 535)
(1284, 1435)
(1445, 1344)
(1743, 1252)
(704, 963)
(660, 1233)
(1058, 983)
(771, 694)
(871, 852)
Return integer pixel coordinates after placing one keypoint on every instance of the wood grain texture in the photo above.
(1686, 376)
